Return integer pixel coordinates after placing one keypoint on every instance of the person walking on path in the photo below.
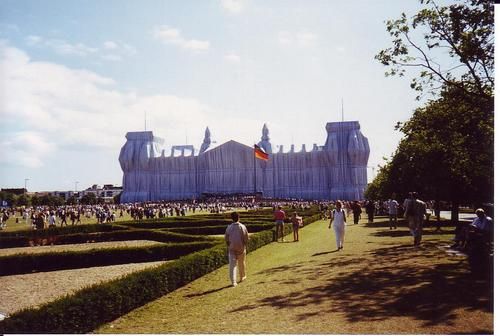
(437, 213)
(393, 212)
(236, 239)
(370, 210)
(356, 211)
(338, 218)
(52, 219)
(414, 213)
(279, 217)
(296, 223)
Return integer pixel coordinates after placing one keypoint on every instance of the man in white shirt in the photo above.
(236, 239)
(393, 212)
(482, 222)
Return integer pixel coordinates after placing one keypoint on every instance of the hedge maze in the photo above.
(194, 245)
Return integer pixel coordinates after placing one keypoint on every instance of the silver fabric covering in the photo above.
(336, 170)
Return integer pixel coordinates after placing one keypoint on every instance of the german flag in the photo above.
(260, 154)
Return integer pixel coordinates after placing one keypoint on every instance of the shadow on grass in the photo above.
(398, 281)
(291, 267)
(322, 253)
(403, 223)
(404, 231)
(208, 292)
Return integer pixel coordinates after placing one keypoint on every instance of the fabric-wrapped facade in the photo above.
(336, 170)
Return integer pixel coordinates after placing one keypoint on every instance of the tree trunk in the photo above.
(454, 212)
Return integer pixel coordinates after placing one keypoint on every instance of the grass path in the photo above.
(379, 284)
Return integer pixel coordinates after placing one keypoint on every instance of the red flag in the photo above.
(260, 154)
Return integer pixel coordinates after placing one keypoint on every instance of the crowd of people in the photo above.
(414, 211)
(40, 217)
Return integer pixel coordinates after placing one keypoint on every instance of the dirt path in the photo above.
(31, 290)
(76, 247)
(379, 284)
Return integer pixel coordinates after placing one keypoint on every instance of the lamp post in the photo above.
(25, 185)
(76, 191)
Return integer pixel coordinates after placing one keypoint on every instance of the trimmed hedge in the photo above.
(79, 238)
(218, 230)
(160, 224)
(44, 262)
(91, 307)
(58, 230)
(159, 236)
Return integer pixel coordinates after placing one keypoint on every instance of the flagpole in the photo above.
(254, 174)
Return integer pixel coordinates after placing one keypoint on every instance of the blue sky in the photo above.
(75, 76)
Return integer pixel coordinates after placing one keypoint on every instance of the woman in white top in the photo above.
(338, 218)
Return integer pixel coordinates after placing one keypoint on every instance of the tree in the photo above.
(382, 185)
(72, 200)
(57, 201)
(23, 200)
(446, 154)
(35, 200)
(458, 137)
(116, 198)
(464, 30)
(46, 200)
(89, 199)
(8, 197)
(447, 149)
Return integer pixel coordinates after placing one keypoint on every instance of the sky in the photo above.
(76, 76)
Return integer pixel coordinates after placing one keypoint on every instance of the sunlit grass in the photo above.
(16, 222)
(379, 283)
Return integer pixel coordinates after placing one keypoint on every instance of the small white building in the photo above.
(107, 192)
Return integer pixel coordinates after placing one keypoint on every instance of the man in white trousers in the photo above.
(236, 239)
(338, 218)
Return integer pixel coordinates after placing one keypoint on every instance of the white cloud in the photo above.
(233, 6)
(129, 49)
(33, 40)
(232, 58)
(111, 57)
(110, 45)
(285, 38)
(306, 39)
(303, 39)
(173, 36)
(196, 45)
(63, 47)
(8, 28)
(25, 148)
(50, 106)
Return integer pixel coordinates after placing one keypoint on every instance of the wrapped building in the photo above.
(336, 170)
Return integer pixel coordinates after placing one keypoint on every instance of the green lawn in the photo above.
(379, 284)
(16, 223)
(22, 225)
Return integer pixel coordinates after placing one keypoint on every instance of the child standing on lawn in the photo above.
(296, 223)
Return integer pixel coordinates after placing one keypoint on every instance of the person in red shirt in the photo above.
(279, 217)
